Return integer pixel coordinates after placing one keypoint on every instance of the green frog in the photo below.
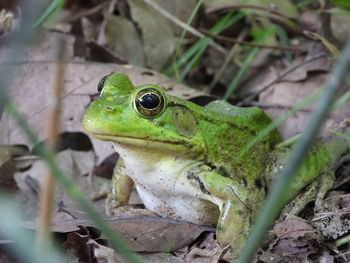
(187, 162)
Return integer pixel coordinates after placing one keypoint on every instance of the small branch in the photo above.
(88, 12)
(183, 25)
(231, 40)
(266, 9)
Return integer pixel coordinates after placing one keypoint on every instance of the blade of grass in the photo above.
(342, 100)
(345, 136)
(225, 22)
(219, 27)
(182, 37)
(276, 199)
(194, 61)
(284, 41)
(53, 7)
(185, 57)
(234, 83)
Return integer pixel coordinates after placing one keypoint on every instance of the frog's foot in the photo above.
(316, 191)
(121, 188)
(234, 226)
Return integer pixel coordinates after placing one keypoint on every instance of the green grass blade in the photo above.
(53, 7)
(275, 200)
(284, 42)
(345, 136)
(182, 37)
(195, 59)
(234, 83)
(186, 56)
(225, 22)
(342, 100)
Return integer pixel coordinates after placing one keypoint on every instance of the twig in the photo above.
(293, 30)
(267, 9)
(276, 80)
(183, 25)
(47, 190)
(83, 13)
(232, 40)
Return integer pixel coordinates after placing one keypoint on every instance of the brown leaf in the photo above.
(296, 239)
(295, 228)
(158, 45)
(76, 243)
(142, 233)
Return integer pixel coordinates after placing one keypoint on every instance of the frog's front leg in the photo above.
(122, 186)
(238, 206)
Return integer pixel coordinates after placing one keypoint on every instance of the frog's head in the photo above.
(144, 116)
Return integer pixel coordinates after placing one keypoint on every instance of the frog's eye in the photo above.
(101, 83)
(149, 102)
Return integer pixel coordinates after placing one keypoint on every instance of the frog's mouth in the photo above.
(130, 139)
(164, 145)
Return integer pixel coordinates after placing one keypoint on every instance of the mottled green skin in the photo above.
(205, 143)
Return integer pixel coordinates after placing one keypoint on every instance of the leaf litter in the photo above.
(106, 37)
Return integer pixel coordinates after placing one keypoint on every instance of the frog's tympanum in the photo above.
(186, 160)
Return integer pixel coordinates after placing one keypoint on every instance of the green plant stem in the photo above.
(276, 199)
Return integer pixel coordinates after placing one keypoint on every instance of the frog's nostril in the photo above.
(110, 108)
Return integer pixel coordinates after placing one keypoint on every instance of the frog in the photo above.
(190, 162)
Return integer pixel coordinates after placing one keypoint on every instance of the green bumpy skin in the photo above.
(186, 161)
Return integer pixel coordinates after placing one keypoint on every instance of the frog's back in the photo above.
(250, 117)
(231, 132)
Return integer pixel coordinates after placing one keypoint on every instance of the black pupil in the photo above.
(149, 101)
